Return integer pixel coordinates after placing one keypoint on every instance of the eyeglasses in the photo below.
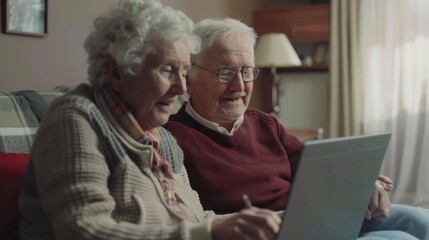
(227, 74)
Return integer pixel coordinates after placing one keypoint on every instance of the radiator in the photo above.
(304, 100)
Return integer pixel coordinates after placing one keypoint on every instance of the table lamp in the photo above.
(274, 50)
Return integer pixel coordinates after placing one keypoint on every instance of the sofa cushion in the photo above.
(12, 169)
(21, 112)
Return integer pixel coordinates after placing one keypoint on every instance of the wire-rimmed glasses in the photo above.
(228, 74)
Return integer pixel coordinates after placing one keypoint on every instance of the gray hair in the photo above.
(211, 31)
(131, 30)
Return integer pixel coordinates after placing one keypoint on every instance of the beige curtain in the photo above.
(380, 83)
(345, 107)
(394, 54)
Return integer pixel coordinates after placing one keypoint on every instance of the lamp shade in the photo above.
(275, 50)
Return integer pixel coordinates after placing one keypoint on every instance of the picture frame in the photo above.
(320, 53)
(25, 17)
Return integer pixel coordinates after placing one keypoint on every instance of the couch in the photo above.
(20, 115)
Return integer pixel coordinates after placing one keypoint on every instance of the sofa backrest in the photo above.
(20, 115)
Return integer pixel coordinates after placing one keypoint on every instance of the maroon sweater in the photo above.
(259, 160)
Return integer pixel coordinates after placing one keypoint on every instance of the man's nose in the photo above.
(238, 82)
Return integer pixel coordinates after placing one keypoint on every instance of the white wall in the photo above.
(240, 9)
(59, 58)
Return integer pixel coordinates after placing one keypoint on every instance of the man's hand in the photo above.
(385, 182)
(379, 203)
(250, 224)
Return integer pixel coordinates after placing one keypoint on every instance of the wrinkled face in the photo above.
(150, 94)
(222, 102)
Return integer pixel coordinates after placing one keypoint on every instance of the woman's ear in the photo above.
(113, 74)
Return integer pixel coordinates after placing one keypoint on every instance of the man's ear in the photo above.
(113, 74)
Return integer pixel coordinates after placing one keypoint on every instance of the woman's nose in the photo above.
(179, 84)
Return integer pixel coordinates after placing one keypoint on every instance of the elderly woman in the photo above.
(101, 165)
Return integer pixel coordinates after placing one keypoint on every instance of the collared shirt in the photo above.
(212, 125)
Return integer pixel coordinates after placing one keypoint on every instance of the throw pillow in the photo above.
(12, 169)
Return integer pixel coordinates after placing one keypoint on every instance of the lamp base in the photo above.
(275, 92)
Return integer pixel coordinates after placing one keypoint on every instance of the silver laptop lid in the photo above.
(334, 181)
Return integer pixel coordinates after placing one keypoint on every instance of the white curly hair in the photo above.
(131, 30)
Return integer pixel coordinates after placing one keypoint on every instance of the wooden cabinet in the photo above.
(307, 26)
(301, 23)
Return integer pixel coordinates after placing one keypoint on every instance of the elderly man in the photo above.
(231, 150)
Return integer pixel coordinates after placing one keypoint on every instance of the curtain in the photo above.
(345, 89)
(394, 66)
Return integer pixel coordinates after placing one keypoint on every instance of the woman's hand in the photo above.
(250, 224)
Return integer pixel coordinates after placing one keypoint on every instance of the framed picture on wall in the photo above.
(321, 53)
(25, 17)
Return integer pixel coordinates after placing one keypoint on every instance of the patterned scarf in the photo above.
(160, 166)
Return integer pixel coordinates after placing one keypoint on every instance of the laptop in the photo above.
(332, 187)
